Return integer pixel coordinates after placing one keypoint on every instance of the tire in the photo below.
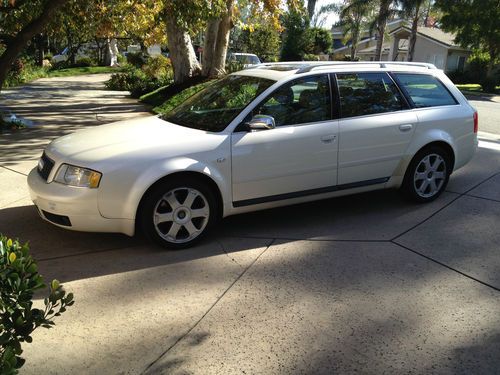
(427, 175)
(178, 213)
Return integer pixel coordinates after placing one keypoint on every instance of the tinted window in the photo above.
(301, 101)
(368, 93)
(425, 90)
(214, 107)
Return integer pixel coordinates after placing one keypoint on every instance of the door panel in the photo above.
(284, 160)
(371, 147)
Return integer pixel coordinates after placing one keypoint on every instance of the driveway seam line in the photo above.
(445, 206)
(308, 239)
(12, 170)
(446, 266)
(486, 199)
(85, 253)
(209, 309)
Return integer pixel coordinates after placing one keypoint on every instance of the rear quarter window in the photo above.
(425, 90)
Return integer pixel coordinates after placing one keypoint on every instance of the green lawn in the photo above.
(473, 88)
(82, 71)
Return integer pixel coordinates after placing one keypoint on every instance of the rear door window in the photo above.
(425, 90)
(364, 94)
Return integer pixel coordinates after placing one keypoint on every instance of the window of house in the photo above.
(425, 90)
(368, 93)
(301, 101)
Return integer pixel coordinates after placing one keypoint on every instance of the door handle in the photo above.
(328, 138)
(405, 127)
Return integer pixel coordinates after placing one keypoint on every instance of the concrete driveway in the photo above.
(366, 284)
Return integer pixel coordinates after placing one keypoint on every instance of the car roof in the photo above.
(278, 71)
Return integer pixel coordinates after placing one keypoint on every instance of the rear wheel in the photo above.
(427, 175)
(177, 214)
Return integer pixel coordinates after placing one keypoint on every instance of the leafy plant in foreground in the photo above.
(19, 279)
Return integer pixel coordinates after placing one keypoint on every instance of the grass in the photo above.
(68, 72)
(473, 88)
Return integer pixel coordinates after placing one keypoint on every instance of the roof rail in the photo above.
(383, 64)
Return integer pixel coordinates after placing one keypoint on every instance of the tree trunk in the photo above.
(380, 42)
(222, 42)
(383, 15)
(311, 5)
(413, 35)
(18, 43)
(209, 46)
(181, 49)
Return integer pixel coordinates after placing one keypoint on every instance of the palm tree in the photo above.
(353, 19)
(385, 11)
(412, 8)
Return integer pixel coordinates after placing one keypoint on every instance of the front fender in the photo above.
(120, 199)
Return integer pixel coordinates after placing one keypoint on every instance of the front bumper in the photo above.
(56, 202)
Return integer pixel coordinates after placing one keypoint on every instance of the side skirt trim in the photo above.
(298, 194)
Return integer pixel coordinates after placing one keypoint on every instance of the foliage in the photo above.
(19, 279)
(262, 39)
(319, 40)
(180, 97)
(295, 39)
(477, 72)
(476, 24)
(138, 81)
(310, 57)
(24, 71)
(158, 67)
(136, 59)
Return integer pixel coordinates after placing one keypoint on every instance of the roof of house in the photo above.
(436, 35)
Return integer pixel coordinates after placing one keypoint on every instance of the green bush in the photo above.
(311, 57)
(83, 62)
(23, 71)
(136, 59)
(158, 67)
(19, 279)
(142, 81)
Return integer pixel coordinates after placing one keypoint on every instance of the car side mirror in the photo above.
(261, 122)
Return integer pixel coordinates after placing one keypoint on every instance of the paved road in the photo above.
(489, 115)
(366, 284)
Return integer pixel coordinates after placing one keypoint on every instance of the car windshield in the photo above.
(247, 59)
(213, 108)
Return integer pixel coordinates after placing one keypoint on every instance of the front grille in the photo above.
(45, 166)
(57, 219)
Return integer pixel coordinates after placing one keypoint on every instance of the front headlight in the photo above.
(77, 176)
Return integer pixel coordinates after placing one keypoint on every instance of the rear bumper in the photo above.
(73, 208)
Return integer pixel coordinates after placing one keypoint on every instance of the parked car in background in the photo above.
(244, 59)
(85, 51)
(273, 135)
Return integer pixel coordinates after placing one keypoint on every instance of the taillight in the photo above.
(476, 122)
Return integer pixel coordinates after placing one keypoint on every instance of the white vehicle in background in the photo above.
(84, 52)
(245, 59)
(269, 136)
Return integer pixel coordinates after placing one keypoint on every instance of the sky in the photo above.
(332, 17)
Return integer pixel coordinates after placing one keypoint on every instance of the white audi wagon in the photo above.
(273, 135)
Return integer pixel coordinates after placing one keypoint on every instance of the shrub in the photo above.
(158, 67)
(136, 59)
(83, 62)
(23, 71)
(311, 57)
(488, 84)
(19, 279)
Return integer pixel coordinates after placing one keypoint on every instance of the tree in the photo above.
(384, 14)
(37, 14)
(413, 9)
(354, 19)
(319, 40)
(476, 24)
(295, 37)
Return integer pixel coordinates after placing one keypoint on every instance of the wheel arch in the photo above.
(182, 174)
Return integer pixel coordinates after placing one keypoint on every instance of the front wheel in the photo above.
(427, 175)
(177, 214)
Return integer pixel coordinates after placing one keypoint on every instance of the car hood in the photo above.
(139, 140)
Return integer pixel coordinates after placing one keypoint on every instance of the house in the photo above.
(432, 45)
